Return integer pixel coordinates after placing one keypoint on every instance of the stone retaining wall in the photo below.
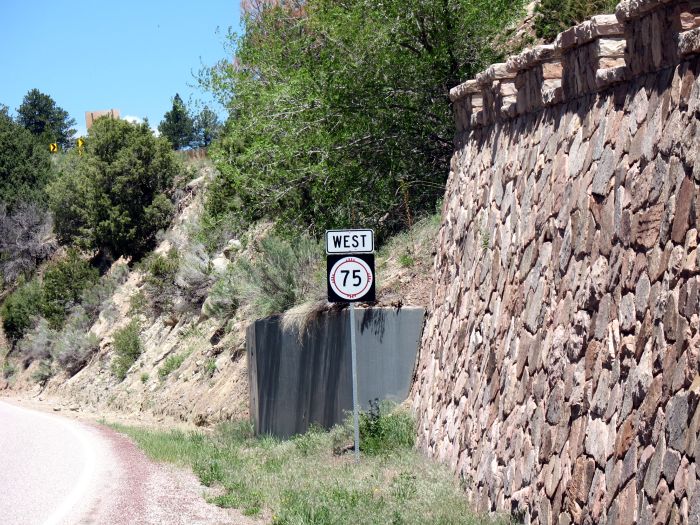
(558, 373)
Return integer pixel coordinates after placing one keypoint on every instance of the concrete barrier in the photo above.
(298, 381)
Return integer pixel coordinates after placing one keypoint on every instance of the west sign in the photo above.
(349, 241)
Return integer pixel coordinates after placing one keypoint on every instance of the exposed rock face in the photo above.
(562, 348)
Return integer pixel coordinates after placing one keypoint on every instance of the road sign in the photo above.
(349, 241)
(351, 278)
(350, 267)
(81, 142)
(53, 147)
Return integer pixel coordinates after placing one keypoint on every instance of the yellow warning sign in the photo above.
(53, 147)
(81, 142)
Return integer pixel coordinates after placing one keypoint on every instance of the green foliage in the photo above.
(20, 309)
(63, 284)
(127, 349)
(339, 112)
(144, 377)
(172, 363)
(114, 197)
(137, 302)
(8, 370)
(73, 345)
(43, 373)
(25, 167)
(160, 279)
(282, 275)
(555, 16)
(301, 482)
(383, 429)
(207, 128)
(210, 367)
(40, 115)
(406, 260)
(177, 125)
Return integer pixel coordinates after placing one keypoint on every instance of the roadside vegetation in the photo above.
(555, 16)
(312, 479)
(340, 115)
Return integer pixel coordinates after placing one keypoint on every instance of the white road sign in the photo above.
(349, 241)
(351, 278)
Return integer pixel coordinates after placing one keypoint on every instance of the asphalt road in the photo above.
(55, 470)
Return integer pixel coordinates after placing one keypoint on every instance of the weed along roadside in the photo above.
(312, 479)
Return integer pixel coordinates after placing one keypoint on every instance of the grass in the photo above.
(210, 367)
(172, 363)
(302, 482)
(414, 246)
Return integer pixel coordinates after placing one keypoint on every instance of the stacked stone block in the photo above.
(559, 373)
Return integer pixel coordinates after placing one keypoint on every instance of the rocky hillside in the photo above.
(192, 366)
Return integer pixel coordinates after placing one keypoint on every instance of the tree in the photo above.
(339, 112)
(39, 114)
(25, 167)
(26, 239)
(177, 125)
(206, 127)
(114, 198)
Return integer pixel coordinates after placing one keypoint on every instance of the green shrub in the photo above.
(171, 364)
(284, 274)
(160, 279)
(114, 198)
(97, 298)
(210, 367)
(8, 370)
(63, 285)
(383, 429)
(43, 373)
(37, 342)
(20, 309)
(406, 260)
(137, 303)
(145, 377)
(222, 300)
(555, 16)
(127, 349)
(74, 345)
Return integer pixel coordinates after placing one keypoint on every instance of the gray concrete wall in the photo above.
(296, 381)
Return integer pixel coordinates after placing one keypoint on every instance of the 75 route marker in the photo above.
(351, 278)
(350, 266)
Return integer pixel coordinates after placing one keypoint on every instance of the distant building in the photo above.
(92, 116)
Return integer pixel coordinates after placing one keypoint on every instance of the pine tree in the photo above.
(207, 127)
(43, 118)
(177, 125)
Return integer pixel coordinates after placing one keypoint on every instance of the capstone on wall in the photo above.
(558, 373)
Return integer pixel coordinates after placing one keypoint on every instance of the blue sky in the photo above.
(129, 55)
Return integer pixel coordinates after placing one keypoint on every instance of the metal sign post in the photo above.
(350, 266)
(355, 404)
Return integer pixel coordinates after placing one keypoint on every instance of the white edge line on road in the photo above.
(86, 475)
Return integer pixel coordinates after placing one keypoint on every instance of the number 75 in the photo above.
(356, 277)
